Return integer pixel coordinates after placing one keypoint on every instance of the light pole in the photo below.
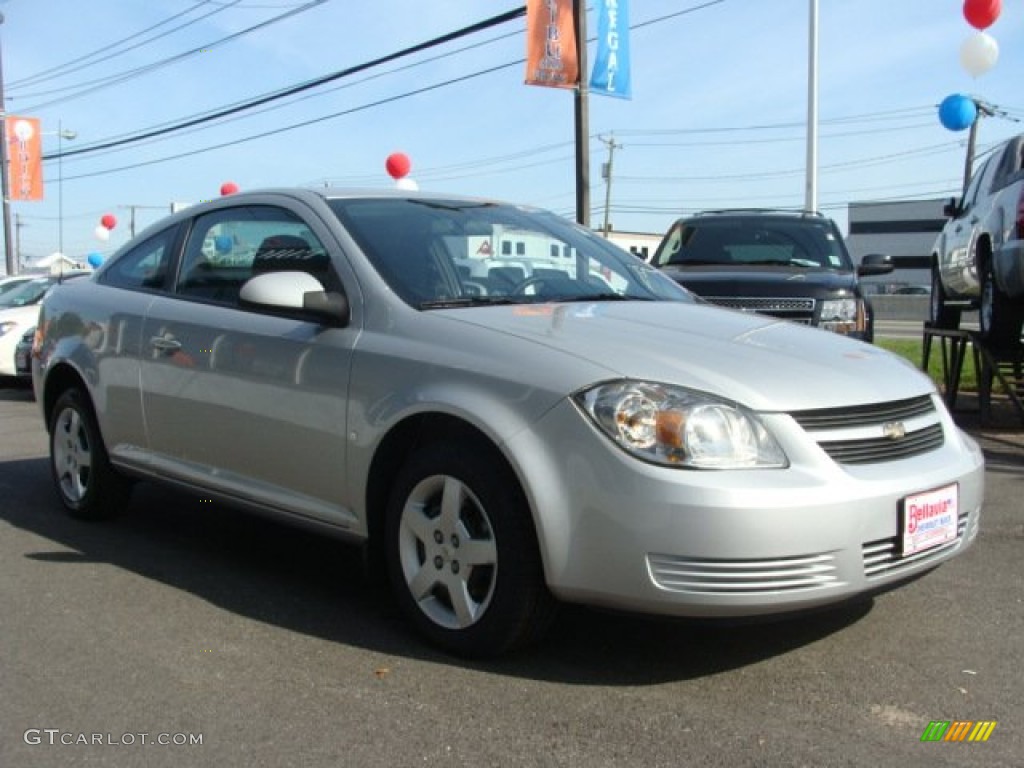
(62, 133)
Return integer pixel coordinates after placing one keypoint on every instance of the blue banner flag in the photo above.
(610, 75)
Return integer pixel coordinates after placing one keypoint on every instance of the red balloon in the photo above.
(108, 220)
(398, 165)
(228, 188)
(981, 14)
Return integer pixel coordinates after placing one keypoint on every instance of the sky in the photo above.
(717, 118)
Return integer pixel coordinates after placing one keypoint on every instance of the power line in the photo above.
(313, 121)
(273, 96)
(472, 28)
(178, 57)
(277, 106)
(78, 63)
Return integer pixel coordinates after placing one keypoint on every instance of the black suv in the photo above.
(790, 265)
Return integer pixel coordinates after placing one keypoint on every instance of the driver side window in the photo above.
(981, 179)
(227, 247)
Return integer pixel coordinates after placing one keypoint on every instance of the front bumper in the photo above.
(621, 533)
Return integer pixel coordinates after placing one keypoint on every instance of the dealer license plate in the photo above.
(929, 519)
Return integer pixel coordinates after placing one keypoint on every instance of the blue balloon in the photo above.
(957, 112)
(94, 259)
(223, 243)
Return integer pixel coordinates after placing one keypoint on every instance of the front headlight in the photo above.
(7, 327)
(843, 315)
(680, 427)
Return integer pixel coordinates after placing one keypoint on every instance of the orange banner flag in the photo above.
(551, 44)
(25, 157)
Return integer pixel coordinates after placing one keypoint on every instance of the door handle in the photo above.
(165, 344)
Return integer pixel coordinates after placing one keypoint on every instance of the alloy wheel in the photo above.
(448, 553)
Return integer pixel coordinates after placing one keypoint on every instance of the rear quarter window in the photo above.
(145, 266)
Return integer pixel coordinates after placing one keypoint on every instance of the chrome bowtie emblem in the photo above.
(894, 430)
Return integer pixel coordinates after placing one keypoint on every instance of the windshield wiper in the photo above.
(698, 263)
(600, 297)
(784, 263)
(471, 301)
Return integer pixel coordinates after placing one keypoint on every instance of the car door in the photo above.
(125, 290)
(245, 403)
(959, 270)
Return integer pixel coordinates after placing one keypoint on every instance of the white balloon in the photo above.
(407, 184)
(978, 54)
(102, 233)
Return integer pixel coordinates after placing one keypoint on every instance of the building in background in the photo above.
(642, 244)
(905, 230)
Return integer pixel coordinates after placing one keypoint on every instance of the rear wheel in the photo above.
(999, 317)
(940, 315)
(88, 486)
(462, 554)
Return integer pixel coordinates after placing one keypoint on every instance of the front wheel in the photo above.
(462, 554)
(999, 318)
(88, 486)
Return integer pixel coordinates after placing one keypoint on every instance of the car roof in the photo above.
(757, 213)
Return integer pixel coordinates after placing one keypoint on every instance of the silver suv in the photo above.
(978, 259)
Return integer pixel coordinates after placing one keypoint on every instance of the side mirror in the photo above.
(951, 210)
(875, 264)
(292, 292)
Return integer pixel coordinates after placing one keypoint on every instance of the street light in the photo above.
(62, 133)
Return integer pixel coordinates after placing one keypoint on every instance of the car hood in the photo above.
(766, 364)
(761, 281)
(26, 313)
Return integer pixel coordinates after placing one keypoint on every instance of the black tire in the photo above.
(462, 553)
(88, 486)
(940, 315)
(999, 318)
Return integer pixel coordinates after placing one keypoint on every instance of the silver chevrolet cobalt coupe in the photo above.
(504, 409)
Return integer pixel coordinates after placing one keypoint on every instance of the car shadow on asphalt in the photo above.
(314, 585)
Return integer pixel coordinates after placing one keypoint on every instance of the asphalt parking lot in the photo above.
(239, 642)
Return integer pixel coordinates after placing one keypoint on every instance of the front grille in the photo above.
(738, 577)
(798, 310)
(882, 557)
(878, 449)
(858, 415)
(870, 434)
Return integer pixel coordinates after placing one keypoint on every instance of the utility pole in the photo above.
(606, 174)
(131, 217)
(984, 109)
(18, 224)
(12, 265)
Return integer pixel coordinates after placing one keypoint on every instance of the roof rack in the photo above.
(791, 211)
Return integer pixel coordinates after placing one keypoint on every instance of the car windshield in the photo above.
(799, 242)
(26, 293)
(437, 253)
(6, 286)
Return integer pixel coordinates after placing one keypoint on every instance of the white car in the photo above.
(19, 309)
(10, 282)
